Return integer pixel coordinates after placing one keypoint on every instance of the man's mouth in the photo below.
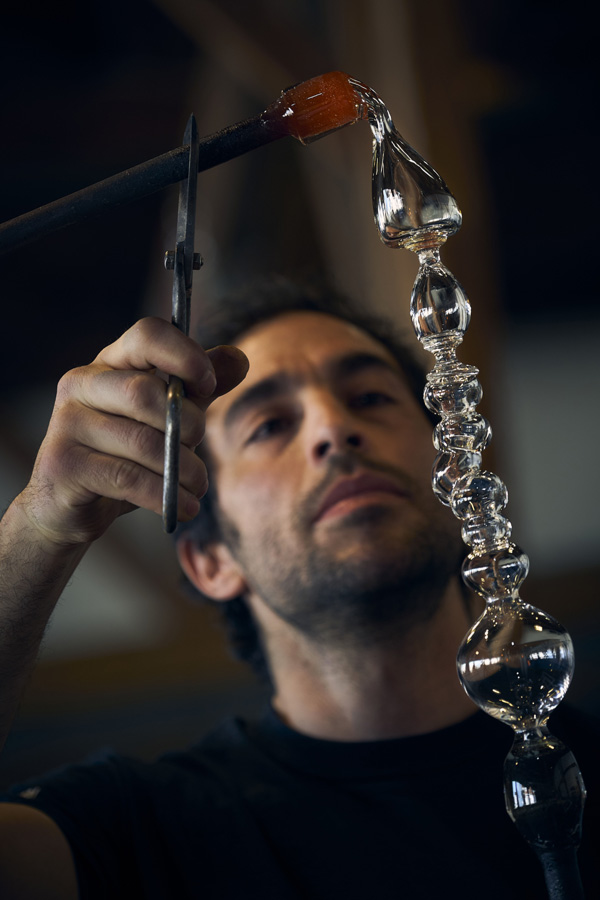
(350, 493)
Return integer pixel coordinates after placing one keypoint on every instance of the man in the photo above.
(372, 774)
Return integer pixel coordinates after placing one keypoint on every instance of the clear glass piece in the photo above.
(543, 790)
(479, 494)
(438, 303)
(462, 432)
(516, 663)
(451, 394)
(448, 469)
(412, 205)
(480, 532)
(497, 573)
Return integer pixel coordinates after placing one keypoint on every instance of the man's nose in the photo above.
(333, 428)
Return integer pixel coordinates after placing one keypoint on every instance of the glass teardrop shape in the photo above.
(516, 663)
(438, 303)
(412, 205)
(543, 790)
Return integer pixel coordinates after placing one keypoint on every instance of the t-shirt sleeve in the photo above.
(90, 804)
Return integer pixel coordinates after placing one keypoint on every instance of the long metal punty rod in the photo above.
(137, 182)
(306, 111)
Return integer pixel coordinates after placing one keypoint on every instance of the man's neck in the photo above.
(399, 686)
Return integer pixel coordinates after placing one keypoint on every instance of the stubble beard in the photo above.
(359, 598)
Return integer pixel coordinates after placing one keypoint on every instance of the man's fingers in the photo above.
(156, 344)
(135, 442)
(126, 481)
(91, 477)
(139, 396)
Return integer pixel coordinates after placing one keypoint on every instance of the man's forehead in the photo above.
(303, 337)
(293, 348)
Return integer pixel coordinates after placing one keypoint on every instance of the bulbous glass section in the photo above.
(448, 469)
(516, 663)
(497, 573)
(462, 432)
(479, 494)
(411, 203)
(543, 790)
(460, 395)
(486, 531)
(438, 303)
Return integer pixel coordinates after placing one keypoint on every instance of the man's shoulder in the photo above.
(108, 777)
(130, 820)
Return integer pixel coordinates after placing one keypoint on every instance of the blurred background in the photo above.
(500, 97)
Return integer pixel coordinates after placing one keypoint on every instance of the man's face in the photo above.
(323, 465)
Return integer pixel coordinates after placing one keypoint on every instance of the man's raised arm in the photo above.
(102, 456)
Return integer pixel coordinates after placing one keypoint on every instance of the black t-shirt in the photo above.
(260, 811)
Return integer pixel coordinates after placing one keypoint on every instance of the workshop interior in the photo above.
(498, 97)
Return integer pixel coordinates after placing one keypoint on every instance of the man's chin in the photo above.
(375, 546)
(368, 531)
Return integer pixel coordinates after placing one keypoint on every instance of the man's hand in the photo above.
(103, 453)
(102, 456)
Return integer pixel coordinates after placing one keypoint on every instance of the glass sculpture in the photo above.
(516, 662)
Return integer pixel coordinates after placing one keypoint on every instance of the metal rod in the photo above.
(139, 181)
(171, 466)
(185, 261)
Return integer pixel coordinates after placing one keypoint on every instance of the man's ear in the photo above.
(212, 570)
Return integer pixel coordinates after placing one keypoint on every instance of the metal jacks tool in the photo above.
(183, 260)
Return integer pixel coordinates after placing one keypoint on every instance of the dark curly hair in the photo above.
(225, 324)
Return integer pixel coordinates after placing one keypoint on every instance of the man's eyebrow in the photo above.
(355, 363)
(268, 389)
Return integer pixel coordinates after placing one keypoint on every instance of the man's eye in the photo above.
(269, 428)
(370, 398)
